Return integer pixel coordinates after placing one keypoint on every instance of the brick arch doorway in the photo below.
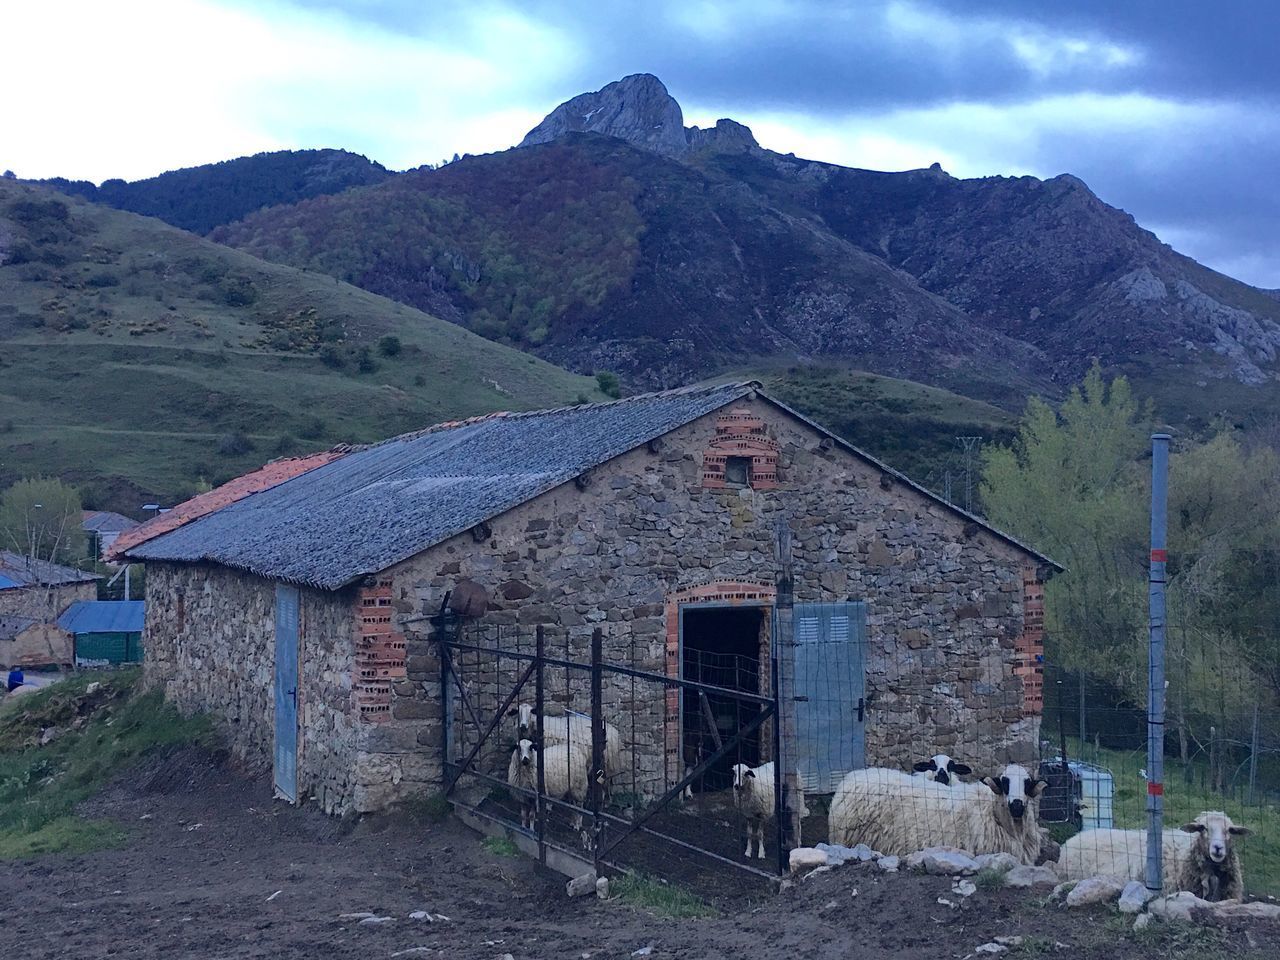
(718, 633)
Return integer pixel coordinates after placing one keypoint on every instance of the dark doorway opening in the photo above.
(723, 646)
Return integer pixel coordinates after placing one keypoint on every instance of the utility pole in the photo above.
(1155, 671)
(970, 446)
(787, 779)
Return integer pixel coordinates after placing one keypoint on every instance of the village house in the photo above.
(300, 616)
(101, 528)
(32, 594)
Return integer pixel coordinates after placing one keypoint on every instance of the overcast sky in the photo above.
(1169, 109)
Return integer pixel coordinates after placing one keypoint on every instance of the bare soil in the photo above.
(213, 868)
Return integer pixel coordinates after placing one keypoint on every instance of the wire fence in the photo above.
(678, 778)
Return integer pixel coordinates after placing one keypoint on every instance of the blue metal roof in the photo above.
(103, 616)
(19, 571)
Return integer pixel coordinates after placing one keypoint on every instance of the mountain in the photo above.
(614, 237)
(200, 198)
(638, 109)
(136, 358)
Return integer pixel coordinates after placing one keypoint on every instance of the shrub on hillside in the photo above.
(389, 346)
(235, 444)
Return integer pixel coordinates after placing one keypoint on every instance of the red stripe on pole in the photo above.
(1155, 789)
(1160, 556)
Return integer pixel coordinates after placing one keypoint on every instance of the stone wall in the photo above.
(945, 596)
(46, 603)
(209, 641)
(39, 645)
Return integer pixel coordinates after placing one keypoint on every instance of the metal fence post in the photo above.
(597, 781)
(786, 774)
(539, 707)
(1155, 672)
(446, 698)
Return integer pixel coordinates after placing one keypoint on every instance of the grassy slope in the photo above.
(41, 785)
(129, 348)
(910, 426)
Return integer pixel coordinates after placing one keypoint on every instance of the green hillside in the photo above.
(137, 360)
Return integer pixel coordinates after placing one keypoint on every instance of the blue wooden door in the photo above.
(286, 692)
(830, 687)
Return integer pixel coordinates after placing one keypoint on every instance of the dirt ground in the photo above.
(214, 869)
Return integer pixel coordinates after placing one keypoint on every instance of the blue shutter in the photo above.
(286, 692)
(831, 683)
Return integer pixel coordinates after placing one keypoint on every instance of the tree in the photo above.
(41, 518)
(1071, 485)
(608, 383)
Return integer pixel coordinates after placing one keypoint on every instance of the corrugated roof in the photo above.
(277, 471)
(17, 571)
(381, 504)
(103, 616)
(104, 521)
(11, 625)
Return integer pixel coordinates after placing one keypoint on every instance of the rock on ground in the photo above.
(943, 861)
(1177, 906)
(806, 858)
(888, 864)
(1095, 890)
(1134, 897)
(1024, 876)
(1253, 911)
(996, 861)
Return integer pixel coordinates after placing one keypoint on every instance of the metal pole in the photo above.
(1155, 672)
(127, 566)
(785, 770)
(539, 693)
(1253, 758)
(598, 771)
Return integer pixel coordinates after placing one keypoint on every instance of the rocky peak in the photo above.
(638, 109)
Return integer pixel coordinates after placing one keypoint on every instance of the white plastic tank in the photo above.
(1097, 794)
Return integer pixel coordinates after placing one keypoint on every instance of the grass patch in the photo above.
(989, 878)
(500, 846)
(428, 808)
(660, 898)
(103, 731)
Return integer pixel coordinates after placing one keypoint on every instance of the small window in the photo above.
(737, 471)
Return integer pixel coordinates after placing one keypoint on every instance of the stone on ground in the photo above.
(806, 858)
(944, 861)
(1093, 890)
(1134, 897)
(581, 885)
(996, 861)
(991, 947)
(888, 864)
(1177, 906)
(1024, 876)
(1254, 911)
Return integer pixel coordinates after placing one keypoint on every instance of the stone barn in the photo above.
(299, 616)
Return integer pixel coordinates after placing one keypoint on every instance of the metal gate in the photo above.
(635, 813)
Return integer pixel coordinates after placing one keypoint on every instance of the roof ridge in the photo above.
(444, 425)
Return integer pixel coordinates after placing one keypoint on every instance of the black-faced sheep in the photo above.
(1199, 858)
(898, 813)
(942, 768)
(753, 795)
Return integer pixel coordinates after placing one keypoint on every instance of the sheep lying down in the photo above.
(898, 813)
(1199, 857)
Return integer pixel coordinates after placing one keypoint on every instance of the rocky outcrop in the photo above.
(639, 109)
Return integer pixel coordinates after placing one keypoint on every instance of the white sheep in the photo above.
(942, 768)
(572, 728)
(1199, 857)
(897, 813)
(753, 794)
(564, 776)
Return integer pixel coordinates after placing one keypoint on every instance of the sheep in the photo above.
(898, 813)
(575, 728)
(942, 768)
(1199, 858)
(564, 775)
(753, 794)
